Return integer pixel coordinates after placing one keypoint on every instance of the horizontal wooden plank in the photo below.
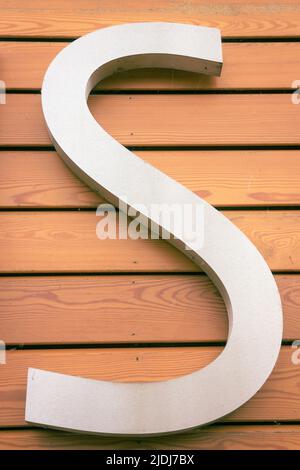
(124, 309)
(67, 242)
(224, 178)
(167, 119)
(220, 437)
(279, 398)
(113, 309)
(246, 65)
(249, 18)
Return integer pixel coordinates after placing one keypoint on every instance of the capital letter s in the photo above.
(227, 256)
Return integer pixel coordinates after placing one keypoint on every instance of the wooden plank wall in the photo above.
(139, 310)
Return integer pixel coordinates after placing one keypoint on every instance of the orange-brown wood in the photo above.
(246, 65)
(67, 18)
(124, 309)
(140, 306)
(224, 437)
(166, 120)
(67, 242)
(279, 398)
(224, 177)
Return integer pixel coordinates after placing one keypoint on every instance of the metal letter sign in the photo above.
(227, 256)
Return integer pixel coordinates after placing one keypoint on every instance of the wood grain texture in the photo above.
(249, 18)
(149, 120)
(67, 242)
(224, 178)
(279, 398)
(246, 65)
(140, 306)
(221, 437)
(124, 309)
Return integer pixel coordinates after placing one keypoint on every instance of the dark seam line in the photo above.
(52, 39)
(256, 208)
(20, 347)
(280, 272)
(141, 148)
(99, 273)
(225, 39)
(228, 207)
(255, 423)
(221, 91)
(124, 345)
(140, 439)
(27, 148)
(216, 147)
(260, 39)
(123, 273)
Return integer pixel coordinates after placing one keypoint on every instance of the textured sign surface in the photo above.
(228, 257)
